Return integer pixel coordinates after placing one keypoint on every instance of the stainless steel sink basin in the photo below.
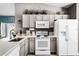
(16, 40)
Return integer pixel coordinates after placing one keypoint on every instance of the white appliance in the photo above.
(42, 24)
(42, 42)
(66, 31)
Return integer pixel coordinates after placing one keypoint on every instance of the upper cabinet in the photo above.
(52, 17)
(32, 20)
(65, 16)
(58, 17)
(61, 17)
(39, 17)
(26, 21)
(46, 17)
(29, 21)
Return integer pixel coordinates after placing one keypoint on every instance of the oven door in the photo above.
(42, 43)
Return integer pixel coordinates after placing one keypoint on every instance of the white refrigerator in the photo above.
(66, 31)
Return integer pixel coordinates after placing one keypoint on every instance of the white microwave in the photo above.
(42, 24)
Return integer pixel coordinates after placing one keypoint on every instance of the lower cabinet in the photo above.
(32, 45)
(24, 48)
(53, 45)
(22, 51)
(14, 52)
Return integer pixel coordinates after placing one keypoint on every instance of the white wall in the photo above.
(20, 8)
(7, 9)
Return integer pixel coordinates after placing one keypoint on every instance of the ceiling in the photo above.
(65, 5)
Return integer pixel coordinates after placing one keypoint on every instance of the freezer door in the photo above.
(72, 37)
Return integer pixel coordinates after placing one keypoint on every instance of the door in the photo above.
(22, 51)
(58, 17)
(52, 45)
(42, 43)
(61, 42)
(46, 17)
(32, 45)
(72, 37)
(14, 52)
(51, 21)
(26, 21)
(32, 20)
(39, 17)
(26, 46)
(65, 16)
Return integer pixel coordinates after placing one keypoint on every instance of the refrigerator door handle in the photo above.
(66, 39)
(64, 33)
(67, 33)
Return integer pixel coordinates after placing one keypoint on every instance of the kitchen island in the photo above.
(8, 48)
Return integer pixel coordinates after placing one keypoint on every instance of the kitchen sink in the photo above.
(16, 40)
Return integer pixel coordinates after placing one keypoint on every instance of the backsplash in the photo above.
(7, 19)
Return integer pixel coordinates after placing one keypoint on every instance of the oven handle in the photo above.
(43, 50)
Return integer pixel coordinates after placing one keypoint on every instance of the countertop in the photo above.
(5, 47)
(33, 36)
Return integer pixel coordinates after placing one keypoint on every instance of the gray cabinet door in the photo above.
(53, 45)
(46, 17)
(26, 21)
(26, 46)
(22, 51)
(65, 16)
(51, 20)
(14, 52)
(58, 17)
(39, 17)
(32, 20)
(32, 45)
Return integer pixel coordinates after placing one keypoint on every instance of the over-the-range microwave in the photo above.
(42, 24)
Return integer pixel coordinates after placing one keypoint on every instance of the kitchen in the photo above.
(35, 29)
